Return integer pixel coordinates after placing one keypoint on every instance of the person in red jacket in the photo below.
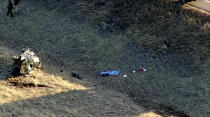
(10, 8)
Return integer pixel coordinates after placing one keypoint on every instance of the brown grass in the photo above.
(196, 17)
(55, 84)
(196, 10)
(62, 96)
(61, 41)
(149, 114)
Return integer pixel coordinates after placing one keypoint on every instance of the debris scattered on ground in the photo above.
(117, 72)
(110, 73)
(142, 69)
(25, 63)
(29, 81)
(76, 75)
(39, 78)
(125, 75)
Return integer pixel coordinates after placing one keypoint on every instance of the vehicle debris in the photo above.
(110, 73)
(125, 75)
(25, 63)
(142, 69)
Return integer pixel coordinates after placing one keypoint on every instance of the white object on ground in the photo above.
(144, 69)
(134, 71)
(125, 75)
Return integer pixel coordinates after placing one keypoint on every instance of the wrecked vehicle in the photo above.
(25, 63)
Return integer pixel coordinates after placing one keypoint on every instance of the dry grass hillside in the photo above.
(89, 36)
(53, 95)
(62, 95)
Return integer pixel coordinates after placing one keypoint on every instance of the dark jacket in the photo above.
(16, 2)
(10, 5)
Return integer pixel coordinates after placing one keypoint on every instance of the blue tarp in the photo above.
(110, 73)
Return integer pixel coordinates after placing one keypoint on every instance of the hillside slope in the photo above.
(171, 41)
(66, 96)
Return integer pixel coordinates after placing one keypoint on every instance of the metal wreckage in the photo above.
(25, 63)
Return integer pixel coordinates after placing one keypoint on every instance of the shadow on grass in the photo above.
(63, 98)
(72, 103)
(5, 62)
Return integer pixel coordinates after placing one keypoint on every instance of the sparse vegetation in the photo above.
(170, 40)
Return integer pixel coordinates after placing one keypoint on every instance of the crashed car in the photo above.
(25, 63)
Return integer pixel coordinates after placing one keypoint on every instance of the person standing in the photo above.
(10, 8)
(16, 2)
